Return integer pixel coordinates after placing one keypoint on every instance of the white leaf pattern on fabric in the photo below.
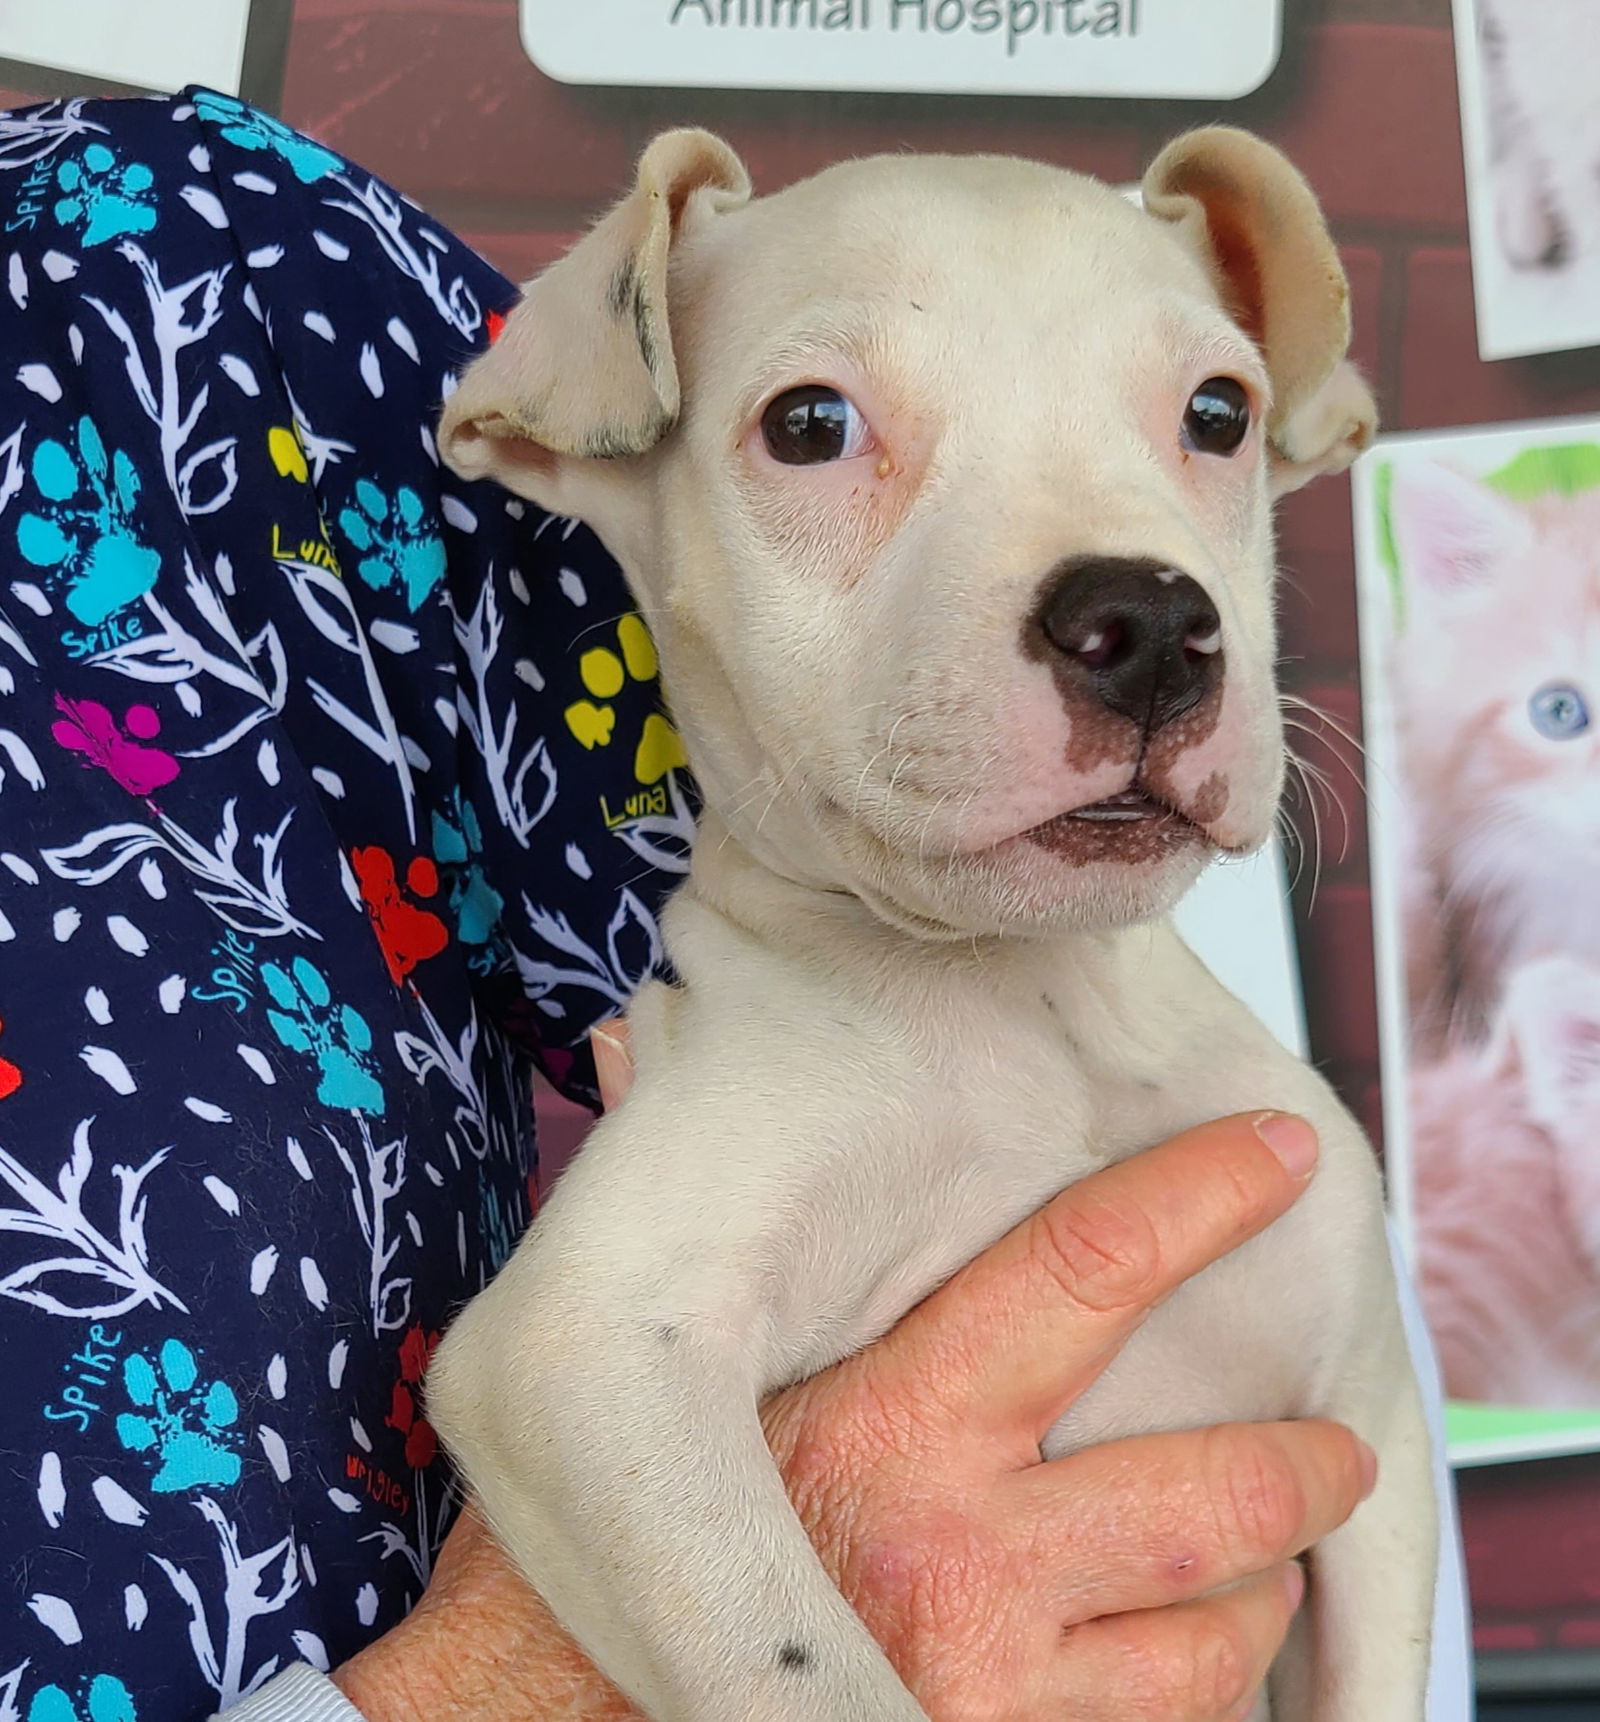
(110, 1068)
(239, 373)
(126, 936)
(244, 904)
(224, 1195)
(371, 370)
(205, 204)
(311, 1648)
(402, 338)
(23, 760)
(40, 380)
(116, 1503)
(272, 1444)
(240, 1602)
(52, 1489)
(259, 1063)
(58, 1615)
(120, 1267)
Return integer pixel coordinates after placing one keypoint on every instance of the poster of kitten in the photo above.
(1528, 70)
(1479, 567)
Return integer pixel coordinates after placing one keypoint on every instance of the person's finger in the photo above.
(1158, 1519)
(1199, 1661)
(613, 1060)
(1013, 1338)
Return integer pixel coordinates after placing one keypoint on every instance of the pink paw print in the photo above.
(87, 727)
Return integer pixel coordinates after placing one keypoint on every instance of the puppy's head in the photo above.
(944, 484)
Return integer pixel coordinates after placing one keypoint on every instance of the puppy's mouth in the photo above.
(1131, 827)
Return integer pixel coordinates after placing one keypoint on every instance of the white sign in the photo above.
(150, 44)
(1216, 49)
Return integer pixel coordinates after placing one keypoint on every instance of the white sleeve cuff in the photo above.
(299, 1694)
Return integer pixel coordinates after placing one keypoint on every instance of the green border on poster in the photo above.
(1497, 1434)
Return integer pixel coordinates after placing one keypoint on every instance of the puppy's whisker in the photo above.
(1305, 778)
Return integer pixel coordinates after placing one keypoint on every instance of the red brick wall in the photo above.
(438, 96)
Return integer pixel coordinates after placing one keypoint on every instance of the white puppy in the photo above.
(944, 485)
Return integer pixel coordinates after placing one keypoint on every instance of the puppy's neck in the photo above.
(810, 915)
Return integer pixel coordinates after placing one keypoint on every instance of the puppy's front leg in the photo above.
(1372, 1582)
(601, 1398)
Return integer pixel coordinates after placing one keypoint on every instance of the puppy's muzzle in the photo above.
(1142, 639)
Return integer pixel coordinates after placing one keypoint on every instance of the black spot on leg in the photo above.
(667, 1333)
(792, 1655)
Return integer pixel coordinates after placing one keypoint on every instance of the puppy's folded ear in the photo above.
(1254, 223)
(584, 366)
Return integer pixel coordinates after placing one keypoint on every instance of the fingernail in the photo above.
(1291, 1139)
(1368, 1462)
(613, 1063)
(1294, 1583)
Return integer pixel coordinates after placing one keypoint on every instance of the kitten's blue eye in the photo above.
(1559, 712)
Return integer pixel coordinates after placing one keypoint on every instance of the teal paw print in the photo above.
(336, 1036)
(104, 198)
(187, 1427)
(458, 848)
(102, 1699)
(398, 545)
(248, 129)
(83, 536)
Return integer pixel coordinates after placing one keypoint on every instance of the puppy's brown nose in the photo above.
(1144, 639)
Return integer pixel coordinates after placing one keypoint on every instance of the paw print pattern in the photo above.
(120, 749)
(103, 198)
(186, 1427)
(83, 536)
(407, 935)
(102, 1699)
(416, 1352)
(397, 542)
(247, 129)
(458, 848)
(288, 453)
(10, 1076)
(604, 674)
(337, 1036)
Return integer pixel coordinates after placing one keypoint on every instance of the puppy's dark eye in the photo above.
(813, 425)
(1218, 417)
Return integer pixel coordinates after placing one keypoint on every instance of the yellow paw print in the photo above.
(283, 444)
(604, 674)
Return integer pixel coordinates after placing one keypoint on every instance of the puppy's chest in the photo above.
(1025, 1103)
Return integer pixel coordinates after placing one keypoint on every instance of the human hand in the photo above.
(1149, 1578)
(1145, 1579)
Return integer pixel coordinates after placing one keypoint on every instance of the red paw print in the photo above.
(416, 1350)
(10, 1076)
(407, 935)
